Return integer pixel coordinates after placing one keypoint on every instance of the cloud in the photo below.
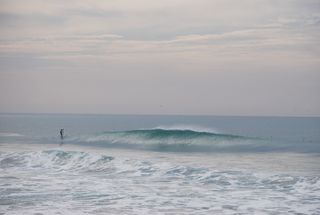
(142, 44)
(58, 7)
(148, 19)
(232, 43)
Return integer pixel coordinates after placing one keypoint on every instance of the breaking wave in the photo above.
(172, 139)
(75, 162)
(42, 181)
(54, 159)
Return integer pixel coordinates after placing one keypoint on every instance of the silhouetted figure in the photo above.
(61, 133)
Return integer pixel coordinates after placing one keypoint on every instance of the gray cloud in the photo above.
(193, 57)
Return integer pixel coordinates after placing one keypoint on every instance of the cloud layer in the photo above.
(151, 53)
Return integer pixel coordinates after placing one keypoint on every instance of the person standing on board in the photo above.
(61, 133)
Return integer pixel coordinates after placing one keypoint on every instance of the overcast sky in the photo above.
(217, 57)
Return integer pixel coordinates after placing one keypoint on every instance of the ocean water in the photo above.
(125, 164)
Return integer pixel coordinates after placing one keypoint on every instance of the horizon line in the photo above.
(158, 114)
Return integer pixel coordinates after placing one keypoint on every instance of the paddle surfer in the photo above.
(61, 133)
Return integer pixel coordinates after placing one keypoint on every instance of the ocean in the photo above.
(152, 164)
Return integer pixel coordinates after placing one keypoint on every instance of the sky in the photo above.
(193, 57)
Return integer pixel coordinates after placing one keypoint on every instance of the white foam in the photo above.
(9, 134)
(151, 183)
(182, 127)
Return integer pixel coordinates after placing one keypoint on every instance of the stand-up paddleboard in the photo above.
(61, 133)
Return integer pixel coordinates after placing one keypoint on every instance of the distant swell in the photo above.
(9, 134)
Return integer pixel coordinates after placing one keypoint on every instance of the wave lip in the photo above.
(187, 127)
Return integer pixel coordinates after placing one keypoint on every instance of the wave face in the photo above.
(184, 139)
(168, 136)
(175, 140)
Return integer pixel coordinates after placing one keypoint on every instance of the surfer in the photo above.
(61, 133)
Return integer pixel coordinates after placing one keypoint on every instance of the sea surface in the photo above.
(148, 164)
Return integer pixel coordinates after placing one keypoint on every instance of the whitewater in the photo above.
(124, 164)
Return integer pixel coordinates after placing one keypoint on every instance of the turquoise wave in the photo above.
(188, 140)
(175, 140)
(163, 134)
